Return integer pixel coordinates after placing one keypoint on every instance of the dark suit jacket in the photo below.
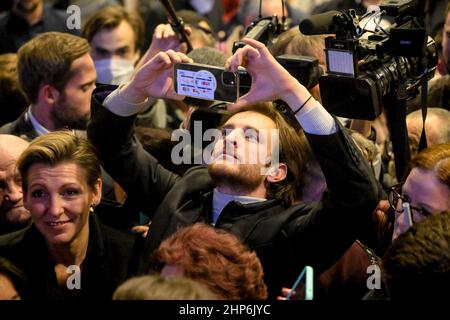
(23, 128)
(285, 239)
(110, 260)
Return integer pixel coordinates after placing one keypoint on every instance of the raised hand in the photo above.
(155, 78)
(164, 38)
(270, 81)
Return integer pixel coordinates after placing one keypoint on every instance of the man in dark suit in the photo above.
(28, 18)
(58, 76)
(236, 195)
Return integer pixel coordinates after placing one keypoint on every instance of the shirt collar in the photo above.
(40, 129)
(220, 200)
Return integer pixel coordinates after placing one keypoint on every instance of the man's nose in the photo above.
(14, 192)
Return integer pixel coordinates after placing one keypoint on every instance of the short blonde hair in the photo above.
(58, 147)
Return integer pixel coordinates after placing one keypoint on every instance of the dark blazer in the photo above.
(15, 31)
(20, 127)
(110, 260)
(285, 239)
(23, 128)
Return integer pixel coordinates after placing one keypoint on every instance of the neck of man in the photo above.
(42, 114)
(31, 15)
(259, 192)
(74, 252)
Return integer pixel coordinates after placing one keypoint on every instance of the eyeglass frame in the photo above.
(393, 193)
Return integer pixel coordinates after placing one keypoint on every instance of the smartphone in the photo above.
(206, 82)
(308, 290)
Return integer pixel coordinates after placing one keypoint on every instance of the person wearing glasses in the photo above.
(425, 192)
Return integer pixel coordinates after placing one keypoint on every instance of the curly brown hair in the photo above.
(217, 259)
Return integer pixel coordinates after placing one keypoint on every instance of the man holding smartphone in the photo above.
(233, 195)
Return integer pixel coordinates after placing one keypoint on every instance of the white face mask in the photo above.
(114, 71)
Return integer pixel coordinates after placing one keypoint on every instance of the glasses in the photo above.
(397, 198)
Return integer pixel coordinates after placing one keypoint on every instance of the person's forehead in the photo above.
(82, 69)
(116, 37)
(250, 119)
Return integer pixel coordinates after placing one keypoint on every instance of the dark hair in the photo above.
(193, 18)
(217, 259)
(300, 44)
(46, 59)
(109, 18)
(417, 264)
(153, 287)
(294, 151)
(12, 100)
(58, 147)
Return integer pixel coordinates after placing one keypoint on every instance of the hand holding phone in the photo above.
(206, 82)
(308, 274)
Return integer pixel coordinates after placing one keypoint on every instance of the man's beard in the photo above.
(242, 178)
(65, 116)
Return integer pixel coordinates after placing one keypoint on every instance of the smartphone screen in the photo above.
(205, 82)
(303, 285)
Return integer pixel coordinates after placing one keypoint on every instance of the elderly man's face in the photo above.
(12, 210)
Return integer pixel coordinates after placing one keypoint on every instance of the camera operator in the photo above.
(236, 196)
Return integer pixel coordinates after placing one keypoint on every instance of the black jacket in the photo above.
(15, 31)
(110, 260)
(285, 239)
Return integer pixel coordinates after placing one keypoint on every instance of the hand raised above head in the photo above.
(270, 81)
(164, 38)
(155, 78)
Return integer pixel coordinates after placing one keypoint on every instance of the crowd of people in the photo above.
(96, 204)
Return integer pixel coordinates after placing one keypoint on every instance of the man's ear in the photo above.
(48, 94)
(276, 172)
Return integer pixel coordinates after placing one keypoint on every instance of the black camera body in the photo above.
(361, 72)
(305, 69)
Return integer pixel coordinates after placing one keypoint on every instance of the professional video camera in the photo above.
(361, 72)
(266, 30)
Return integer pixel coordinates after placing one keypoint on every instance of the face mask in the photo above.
(114, 71)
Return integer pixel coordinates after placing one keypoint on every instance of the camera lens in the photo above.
(228, 78)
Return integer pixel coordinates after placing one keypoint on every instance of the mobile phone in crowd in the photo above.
(307, 292)
(206, 82)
